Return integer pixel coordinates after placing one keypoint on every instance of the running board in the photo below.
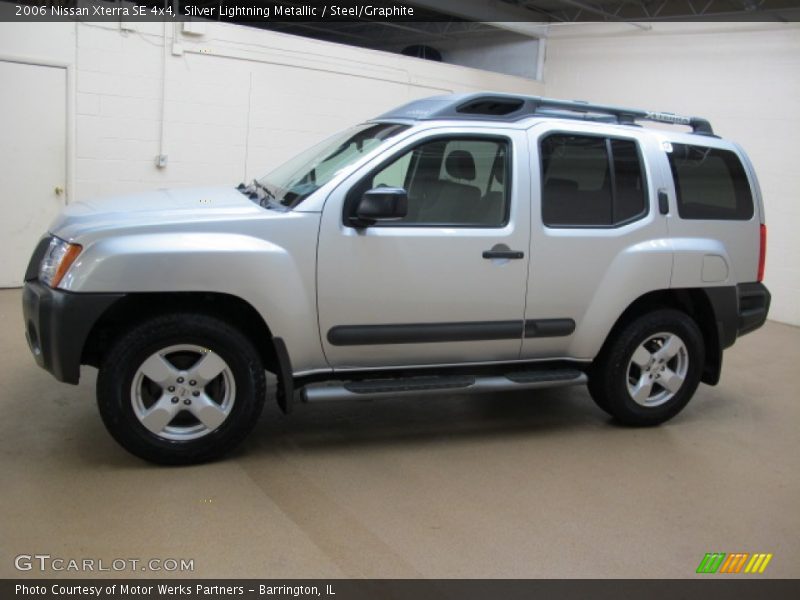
(457, 384)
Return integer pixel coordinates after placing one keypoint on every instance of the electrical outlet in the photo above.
(161, 161)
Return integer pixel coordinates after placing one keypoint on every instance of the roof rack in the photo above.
(508, 107)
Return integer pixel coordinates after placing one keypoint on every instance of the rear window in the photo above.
(710, 183)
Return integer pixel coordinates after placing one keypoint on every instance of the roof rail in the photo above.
(508, 107)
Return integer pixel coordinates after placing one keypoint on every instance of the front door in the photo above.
(446, 283)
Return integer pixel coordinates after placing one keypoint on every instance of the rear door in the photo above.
(426, 289)
(598, 241)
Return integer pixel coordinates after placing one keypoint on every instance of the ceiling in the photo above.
(652, 10)
(441, 21)
(451, 19)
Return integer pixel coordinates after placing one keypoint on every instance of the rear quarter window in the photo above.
(710, 183)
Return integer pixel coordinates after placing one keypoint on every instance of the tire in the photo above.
(650, 370)
(181, 388)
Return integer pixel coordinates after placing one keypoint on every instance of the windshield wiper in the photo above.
(267, 201)
(261, 186)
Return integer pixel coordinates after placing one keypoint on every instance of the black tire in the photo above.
(615, 369)
(242, 385)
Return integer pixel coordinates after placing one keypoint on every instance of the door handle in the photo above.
(663, 201)
(510, 254)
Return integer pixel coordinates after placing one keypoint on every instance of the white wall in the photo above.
(744, 77)
(239, 100)
(236, 100)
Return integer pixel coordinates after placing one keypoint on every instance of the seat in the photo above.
(452, 201)
(490, 209)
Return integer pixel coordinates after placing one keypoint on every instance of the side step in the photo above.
(425, 385)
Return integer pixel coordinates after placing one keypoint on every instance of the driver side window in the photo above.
(459, 182)
(394, 175)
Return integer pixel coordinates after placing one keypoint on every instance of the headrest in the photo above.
(459, 164)
(499, 169)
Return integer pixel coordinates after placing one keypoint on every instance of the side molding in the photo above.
(427, 333)
(538, 328)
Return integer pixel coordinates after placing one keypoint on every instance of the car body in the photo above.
(459, 243)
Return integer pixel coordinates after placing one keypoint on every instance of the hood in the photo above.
(159, 207)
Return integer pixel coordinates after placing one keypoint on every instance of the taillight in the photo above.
(762, 252)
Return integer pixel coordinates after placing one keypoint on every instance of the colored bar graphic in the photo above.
(703, 563)
(727, 564)
(734, 562)
(765, 563)
(758, 563)
(711, 562)
(741, 562)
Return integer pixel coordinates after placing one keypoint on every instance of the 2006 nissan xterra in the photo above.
(457, 244)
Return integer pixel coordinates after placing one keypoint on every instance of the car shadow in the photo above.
(342, 425)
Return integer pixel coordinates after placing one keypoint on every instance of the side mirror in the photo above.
(382, 204)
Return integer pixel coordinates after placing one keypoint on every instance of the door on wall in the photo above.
(33, 130)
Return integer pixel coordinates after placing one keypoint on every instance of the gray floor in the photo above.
(521, 485)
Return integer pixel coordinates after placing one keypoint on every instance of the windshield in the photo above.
(295, 180)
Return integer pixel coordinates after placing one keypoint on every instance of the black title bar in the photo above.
(321, 11)
(706, 588)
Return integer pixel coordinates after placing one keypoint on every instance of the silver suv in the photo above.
(457, 244)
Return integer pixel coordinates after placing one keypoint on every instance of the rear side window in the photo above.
(591, 181)
(710, 183)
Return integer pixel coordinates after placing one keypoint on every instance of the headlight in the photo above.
(57, 260)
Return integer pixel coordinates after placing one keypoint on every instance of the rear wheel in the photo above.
(181, 389)
(650, 370)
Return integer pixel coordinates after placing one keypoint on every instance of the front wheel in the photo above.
(181, 389)
(650, 370)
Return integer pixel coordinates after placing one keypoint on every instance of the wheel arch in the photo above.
(708, 308)
(134, 308)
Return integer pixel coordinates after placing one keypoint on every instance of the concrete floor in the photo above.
(521, 485)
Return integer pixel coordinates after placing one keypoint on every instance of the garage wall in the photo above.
(744, 77)
(237, 100)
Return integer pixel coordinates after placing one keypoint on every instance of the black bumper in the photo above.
(754, 300)
(57, 324)
(738, 309)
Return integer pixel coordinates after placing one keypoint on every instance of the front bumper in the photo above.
(57, 324)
